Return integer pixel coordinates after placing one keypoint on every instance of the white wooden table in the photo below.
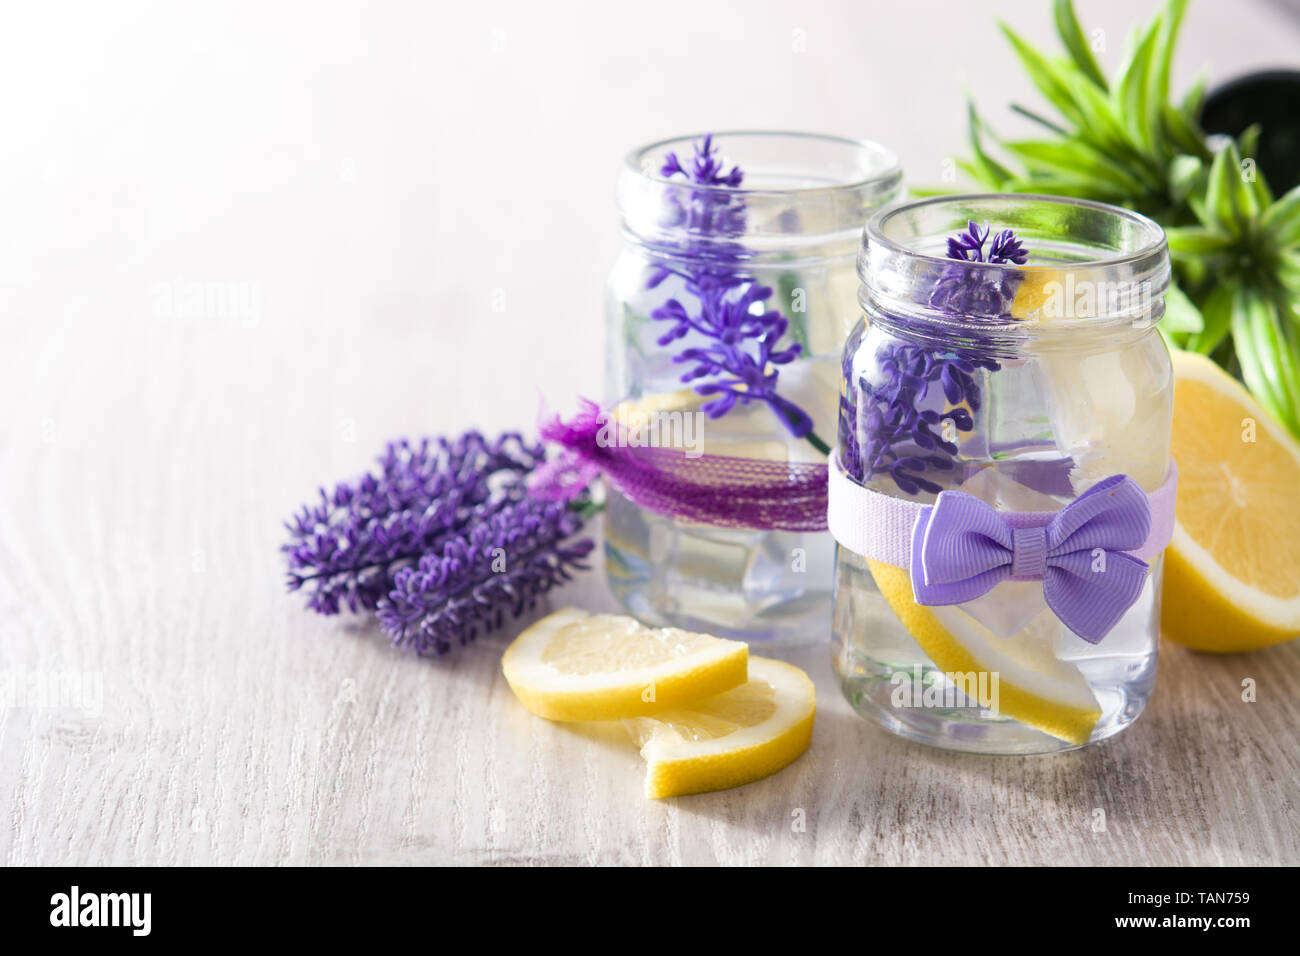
(241, 246)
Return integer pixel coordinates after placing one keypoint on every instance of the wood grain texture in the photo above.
(242, 249)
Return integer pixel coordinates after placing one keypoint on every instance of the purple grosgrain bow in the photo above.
(962, 547)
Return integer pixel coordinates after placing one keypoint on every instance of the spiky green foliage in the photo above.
(1235, 248)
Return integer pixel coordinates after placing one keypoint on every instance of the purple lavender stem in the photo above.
(742, 361)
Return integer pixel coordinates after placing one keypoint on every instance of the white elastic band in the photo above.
(879, 526)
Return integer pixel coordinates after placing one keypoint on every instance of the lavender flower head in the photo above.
(706, 169)
(974, 292)
(711, 212)
(429, 501)
(744, 351)
(895, 433)
(500, 566)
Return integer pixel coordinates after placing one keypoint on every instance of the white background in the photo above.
(389, 171)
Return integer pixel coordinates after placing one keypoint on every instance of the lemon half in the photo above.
(1232, 571)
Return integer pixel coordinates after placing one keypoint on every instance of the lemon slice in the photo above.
(1038, 297)
(750, 432)
(1033, 685)
(572, 665)
(1232, 571)
(733, 738)
(636, 411)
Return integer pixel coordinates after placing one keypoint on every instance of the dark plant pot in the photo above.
(1269, 98)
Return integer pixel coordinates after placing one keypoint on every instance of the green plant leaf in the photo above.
(1220, 191)
(1288, 275)
(978, 174)
(1180, 314)
(1075, 159)
(994, 172)
(1193, 102)
(1067, 25)
(1282, 219)
(1053, 186)
(1268, 363)
(925, 192)
(1131, 95)
(1197, 241)
(1216, 314)
(1170, 20)
(1185, 174)
(1103, 129)
(1040, 119)
(1245, 200)
(1182, 134)
(1248, 147)
(1263, 195)
(1045, 75)
(1248, 141)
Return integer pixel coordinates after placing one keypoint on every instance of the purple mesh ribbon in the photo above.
(710, 489)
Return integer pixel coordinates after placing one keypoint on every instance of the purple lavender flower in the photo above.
(346, 549)
(899, 436)
(706, 170)
(974, 292)
(501, 566)
(902, 438)
(969, 246)
(739, 374)
(745, 351)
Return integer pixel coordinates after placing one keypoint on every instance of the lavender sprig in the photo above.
(346, 549)
(502, 565)
(900, 436)
(904, 439)
(745, 351)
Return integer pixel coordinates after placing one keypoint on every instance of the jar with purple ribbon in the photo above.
(1002, 489)
(727, 310)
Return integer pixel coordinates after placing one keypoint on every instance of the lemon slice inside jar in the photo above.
(1033, 686)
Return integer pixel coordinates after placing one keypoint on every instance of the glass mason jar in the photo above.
(1024, 386)
(782, 241)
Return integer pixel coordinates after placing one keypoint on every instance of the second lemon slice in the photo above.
(573, 665)
(1033, 686)
(733, 738)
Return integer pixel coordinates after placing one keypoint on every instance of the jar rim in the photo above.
(1096, 266)
(808, 196)
(886, 170)
(1154, 248)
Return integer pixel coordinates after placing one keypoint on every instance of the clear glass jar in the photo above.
(1060, 379)
(791, 226)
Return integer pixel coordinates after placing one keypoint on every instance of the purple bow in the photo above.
(962, 547)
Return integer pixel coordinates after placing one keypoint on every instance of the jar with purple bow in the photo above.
(1002, 489)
